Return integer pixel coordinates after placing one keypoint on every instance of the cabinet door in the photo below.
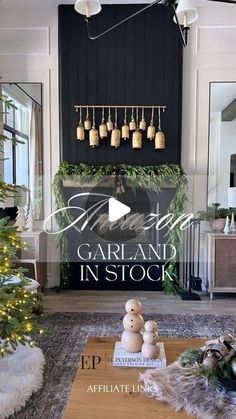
(225, 262)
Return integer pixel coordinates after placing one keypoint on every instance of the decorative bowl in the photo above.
(217, 224)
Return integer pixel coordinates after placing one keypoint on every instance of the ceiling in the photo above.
(53, 3)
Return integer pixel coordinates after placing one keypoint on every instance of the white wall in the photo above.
(210, 56)
(29, 53)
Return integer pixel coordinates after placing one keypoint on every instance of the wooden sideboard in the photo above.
(221, 261)
(35, 257)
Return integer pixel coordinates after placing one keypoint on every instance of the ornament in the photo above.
(87, 122)
(227, 226)
(116, 134)
(232, 225)
(210, 360)
(159, 137)
(233, 366)
(93, 133)
(131, 338)
(132, 124)
(109, 122)
(20, 219)
(137, 135)
(151, 129)
(103, 127)
(142, 123)
(30, 218)
(150, 337)
(125, 128)
(80, 134)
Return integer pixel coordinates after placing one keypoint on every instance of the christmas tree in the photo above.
(20, 219)
(30, 218)
(17, 319)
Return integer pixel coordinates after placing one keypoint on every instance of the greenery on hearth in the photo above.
(17, 320)
(137, 177)
(213, 212)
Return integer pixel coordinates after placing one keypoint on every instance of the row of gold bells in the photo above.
(124, 133)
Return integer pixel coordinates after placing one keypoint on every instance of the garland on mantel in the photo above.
(138, 177)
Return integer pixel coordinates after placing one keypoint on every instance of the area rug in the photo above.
(21, 375)
(181, 389)
(66, 335)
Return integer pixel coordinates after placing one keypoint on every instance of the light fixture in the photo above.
(88, 8)
(185, 14)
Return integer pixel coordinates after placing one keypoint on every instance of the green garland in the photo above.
(138, 177)
(194, 357)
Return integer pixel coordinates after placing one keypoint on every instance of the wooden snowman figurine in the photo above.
(150, 337)
(131, 339)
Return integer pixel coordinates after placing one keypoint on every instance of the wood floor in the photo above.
(114, 301)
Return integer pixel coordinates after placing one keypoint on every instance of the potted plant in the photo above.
(215, 215)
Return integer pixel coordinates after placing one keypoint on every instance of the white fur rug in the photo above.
(21, 375)
(182, 389)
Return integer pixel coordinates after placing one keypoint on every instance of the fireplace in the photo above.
(91, 268)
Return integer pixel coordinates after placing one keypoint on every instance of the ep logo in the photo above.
(90, 362)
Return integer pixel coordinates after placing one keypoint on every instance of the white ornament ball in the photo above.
(150, 326)
(131, 342)
(133, 322)
(150, 351)
(133, 306)
(150, 338)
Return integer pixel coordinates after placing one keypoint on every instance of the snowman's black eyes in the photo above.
(131, 326)
(132, 309)
(131, 320)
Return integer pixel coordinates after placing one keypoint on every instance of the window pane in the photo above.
(18, 113)
(25, 120)
(10, 117)
(8, 164)
(22, 163)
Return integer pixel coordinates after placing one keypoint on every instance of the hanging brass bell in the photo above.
(125, 132)
(103, 130)
(87, 124)
(137, 139)
(115, 138)
(151, 132)
(93, 137)
(142, 124)
(80, 133)
(110, 125)
(132, 125)
(160, 140)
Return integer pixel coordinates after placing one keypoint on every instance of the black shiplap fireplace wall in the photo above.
(139, 63)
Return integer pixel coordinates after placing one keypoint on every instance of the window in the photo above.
(17, 125)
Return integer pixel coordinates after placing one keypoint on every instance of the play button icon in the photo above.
(116, 210)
